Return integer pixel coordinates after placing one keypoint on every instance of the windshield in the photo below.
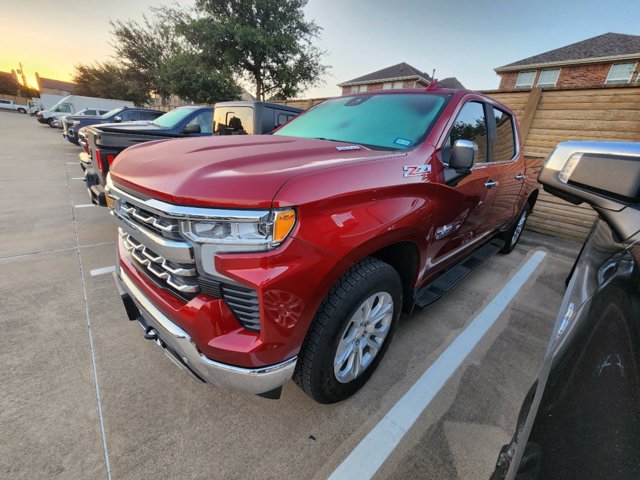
(382, 121)
(112, 112)
(173, 117)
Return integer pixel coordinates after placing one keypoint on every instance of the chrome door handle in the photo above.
(491, 184)
(520, 176)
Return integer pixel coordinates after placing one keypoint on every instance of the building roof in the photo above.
(451, 82)
(52, 84)
(401, 71)
(606, 47)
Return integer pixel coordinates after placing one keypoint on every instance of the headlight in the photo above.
(249, 231)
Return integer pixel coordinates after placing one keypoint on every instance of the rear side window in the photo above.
(233, 121)
(130, 115)
(470, 124)
(283, 117)
(503, 147)
(6, 102)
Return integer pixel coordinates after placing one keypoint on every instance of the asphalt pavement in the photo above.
(84, 396)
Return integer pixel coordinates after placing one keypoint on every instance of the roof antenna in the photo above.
(433, 84)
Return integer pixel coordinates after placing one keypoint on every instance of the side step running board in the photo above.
(434, 291)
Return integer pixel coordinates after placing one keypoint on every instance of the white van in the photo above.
(75, 103)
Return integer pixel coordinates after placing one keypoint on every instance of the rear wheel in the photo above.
(22, 110)
(512, 236)
(351, 332)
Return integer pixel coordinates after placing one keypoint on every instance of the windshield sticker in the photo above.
(402, 141)
(416, 170)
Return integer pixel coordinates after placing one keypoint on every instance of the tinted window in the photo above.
(5, 101)
(282, 117)
(150, 115)
(115, 111)
(89, 112)
(130, 115)
(504, 145)
(205, 120)
(233, 120)
(382, 121)
(64, 108)
(470, 124)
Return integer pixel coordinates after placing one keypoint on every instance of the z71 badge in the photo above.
(416, 170)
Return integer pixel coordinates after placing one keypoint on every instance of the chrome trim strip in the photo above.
(248, 380)
(179, 252)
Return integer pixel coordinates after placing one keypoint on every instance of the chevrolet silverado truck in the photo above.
(105, 142)
(255, 259)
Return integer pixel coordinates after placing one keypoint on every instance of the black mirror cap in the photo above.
(463, 155)
(606, 175)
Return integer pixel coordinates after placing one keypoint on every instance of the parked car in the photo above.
(11, 105)
(74, 103)
(72, 123)
(581, 418)
(252, 259)
(87, 111)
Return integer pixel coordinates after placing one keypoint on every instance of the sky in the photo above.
(462, 38)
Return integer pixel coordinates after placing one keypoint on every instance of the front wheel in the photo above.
(51, 121)
(351, 332)
(512, 236)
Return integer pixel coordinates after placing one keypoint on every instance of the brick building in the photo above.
(607, 59)
(397, 76)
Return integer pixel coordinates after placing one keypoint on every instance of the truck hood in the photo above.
(228, 171)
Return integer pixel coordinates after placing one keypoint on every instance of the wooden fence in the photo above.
(550, 116)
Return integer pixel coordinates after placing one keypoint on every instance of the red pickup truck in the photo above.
(255, 259)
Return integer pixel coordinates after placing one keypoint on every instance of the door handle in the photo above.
(520, 176)
(490, 184)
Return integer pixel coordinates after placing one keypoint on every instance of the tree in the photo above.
(28, 92)
(110, 80)
(267, 42)
(8, 84)
(184, 75)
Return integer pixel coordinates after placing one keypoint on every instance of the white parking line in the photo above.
(101, 271)
(72, 163)
(84, 205)
(369, 455)
(77, 178)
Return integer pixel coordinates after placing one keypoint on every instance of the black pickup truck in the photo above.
(105, 142)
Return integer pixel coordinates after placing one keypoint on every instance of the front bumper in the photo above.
(181, 349)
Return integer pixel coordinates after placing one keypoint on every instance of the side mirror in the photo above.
(605, 175)
(463, 155)
(117, 119)
(192, 128)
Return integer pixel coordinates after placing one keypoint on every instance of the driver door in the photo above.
(463, 208)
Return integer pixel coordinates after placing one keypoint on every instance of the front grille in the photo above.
(167, 227)
(180, 278)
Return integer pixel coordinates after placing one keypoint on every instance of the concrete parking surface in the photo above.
(84, 396)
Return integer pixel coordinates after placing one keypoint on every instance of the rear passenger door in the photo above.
(505, 156)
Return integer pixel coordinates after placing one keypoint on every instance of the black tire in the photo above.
(22, 110)
(315, 368)
(50, 122)
(511, 237)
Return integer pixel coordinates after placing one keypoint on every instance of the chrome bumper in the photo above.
(181, 349)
